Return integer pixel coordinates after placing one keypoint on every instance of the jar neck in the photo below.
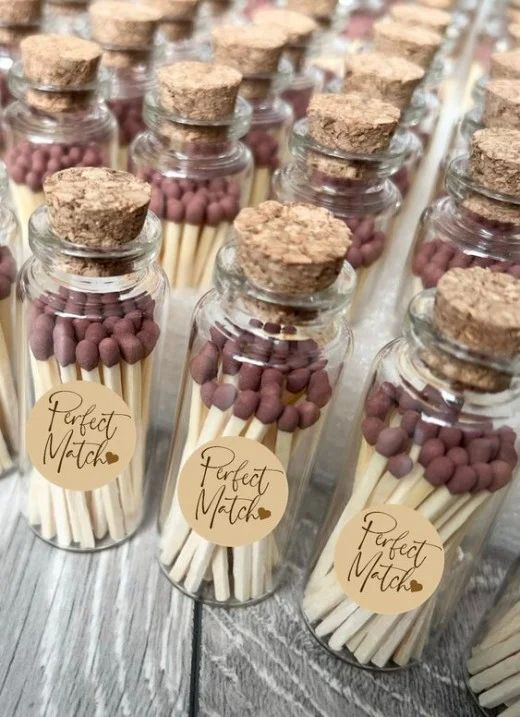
(80, 265)
(242, 300)
(192, 138)
(463, 376)
(127, 73)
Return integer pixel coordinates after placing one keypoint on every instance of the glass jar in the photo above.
(301, 88)
(355, 188)
(441, 446)
(220, 12)
(66, 17)
(492, 667)
(470, 226)
(9, 349)
(362, 17)
(215, 166)
(42, 141)
(110, 301)
(239, 333)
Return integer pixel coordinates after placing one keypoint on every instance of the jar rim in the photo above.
(19, 84)
(459, 180)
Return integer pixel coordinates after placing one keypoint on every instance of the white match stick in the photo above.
(492, 655)
(206, 242)
(496, 674)
(507, 690)
(172, 234)
(188, 248)
(219, 569)
(207, 277)
(261, 189)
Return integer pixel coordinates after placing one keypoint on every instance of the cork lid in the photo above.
(492, 210)
(514, 31)
(479, 309)
(505, 65)
(352, 123)
(437, 20)
(293, 249)
(502, 104)
(180, 10)
(96, 207)
(417, 44)
(252, 49)
(117, 23)
(298, 27)
(495, 160)
(20, 12)
(383, 76)
(198, 90)
(319, 9)
(60, 61)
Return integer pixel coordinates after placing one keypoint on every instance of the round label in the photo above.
(81, 435)
(233, 491)
(389, 559)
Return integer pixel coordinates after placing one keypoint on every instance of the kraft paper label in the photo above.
(233, 491)
(389, 559)
(80, 435)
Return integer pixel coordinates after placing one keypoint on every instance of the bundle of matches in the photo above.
(269, 379)
(56, 86)
(17, 20)
(436, 456)
(126, 33)
(9, 440)
(481, 231)
(394, 80)
(300, 29)
(256, 51)
(350, 137)
(494, 663)
(198, 196)
(86, 334)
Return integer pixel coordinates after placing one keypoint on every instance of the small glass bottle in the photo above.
(361, 19)
(177, 36)
(256, 51)
(58, 118)
(266, 352)
(306, 79)
(66, 17)
(126, 34)
(17, 20)
(220, 12)
(200, 171)
(436, 436)
(343, 156)
(9, 349)
(92, 297)
(493, 673)
(473, 225)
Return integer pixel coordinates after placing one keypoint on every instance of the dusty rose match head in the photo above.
(293, 249)
(119, 24)
(479, 309)
(414, 15)
(417, 44)
(505, 65)
(352, 123)
(495, 160)
(383, 77)
(96, 207)
(17, 13)
(199, 90)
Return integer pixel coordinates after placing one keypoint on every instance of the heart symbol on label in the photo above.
(111, 458)
(263, 513)
(415, 587)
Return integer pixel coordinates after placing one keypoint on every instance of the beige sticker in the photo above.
(80, 435)
(389, 559)
(233, 491)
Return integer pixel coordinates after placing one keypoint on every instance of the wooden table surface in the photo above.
(106, 635)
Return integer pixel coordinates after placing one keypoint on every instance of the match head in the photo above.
(246, 404)
(131, 348)
(87, 355)
(109, 352)
(204, 366)
(289, 419)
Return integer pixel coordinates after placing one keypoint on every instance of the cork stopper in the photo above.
(505, 65)
(118, 24)
(292, 249)
(252, 50)
(479, 309)
(318, 9)
(495, 160)
(178, 10)
(431, 18)
(492, 210)
(96, 207)
(20, 12)
(60, 61)
(198, 90)
(417, 44)
(513, 15)
(298, 27)
(352, 123)
(502, 104)
(384, 77)
(514, 31)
